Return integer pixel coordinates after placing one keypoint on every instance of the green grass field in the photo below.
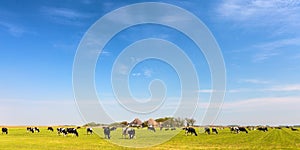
(19, 139)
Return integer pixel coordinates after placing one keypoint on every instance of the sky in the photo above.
(259, 41)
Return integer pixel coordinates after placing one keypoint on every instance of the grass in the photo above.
(19, 139)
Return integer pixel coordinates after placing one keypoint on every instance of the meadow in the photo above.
(19, 139)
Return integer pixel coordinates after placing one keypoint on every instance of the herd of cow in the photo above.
(131, 131)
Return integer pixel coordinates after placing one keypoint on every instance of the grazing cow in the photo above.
(50, 129)
(151, 129)
(36, 129)
(238, 129)
(78, 127)
(262, 129)
(4, 130)
(129, 131)
(234, 129)
(89, 130)
(62, 131)
(30, 129)
(294, 129)
(207, 130)
(106, 132)
(72, 131)
(190, 130)
(242, 129)
(166, 129)
(173, 128)
(214, 130)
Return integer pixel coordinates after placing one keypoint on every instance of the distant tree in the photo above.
(169, 122)
(124, 123)
(116, 124)
(92, 124)
(163, 119)
(179, 122)
(190, 121)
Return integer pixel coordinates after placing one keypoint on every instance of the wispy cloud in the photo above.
(278, 15)
(270, 49)
(262, 56)
(205, 91)
(284, 88)
(270, 88)
(87, 2)
(64, 15)
(279, 44)
(262, 102)
(12, 29)
(130, 17)
(147, 73)
(136, 74)
(254, 81)
(227, 91)
(122, 69)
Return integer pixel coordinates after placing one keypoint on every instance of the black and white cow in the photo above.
(234, 129)
(4, 130)
(106, 132)
(131, 133)
(128, 131)
(242, 129)
(238, 129)
(207, 130)
(36, 129)
(62, 131)
(30, 129)
(151, 128)
(89, 130)
(50, 129)
(262, 129)
(214, 130)
(72, 131)
(190, 130)
(294, 129)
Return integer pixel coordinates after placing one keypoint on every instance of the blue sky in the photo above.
(259, 40)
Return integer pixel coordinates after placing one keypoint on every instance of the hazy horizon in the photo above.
(259, 41)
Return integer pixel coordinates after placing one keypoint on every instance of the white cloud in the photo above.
(65, 15)
(136, 74)
(261, 111)
(205, 91)
(279, 16)
(147, 73)
(39, 112)
(105, 53)
(13, 29)
(227, 91)
(62, 12)
(254, 81)
(285, 88)
(273, 48)
(262, 56)
(264, 102)
(279, 44)
(122, 69)
(271, 88)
